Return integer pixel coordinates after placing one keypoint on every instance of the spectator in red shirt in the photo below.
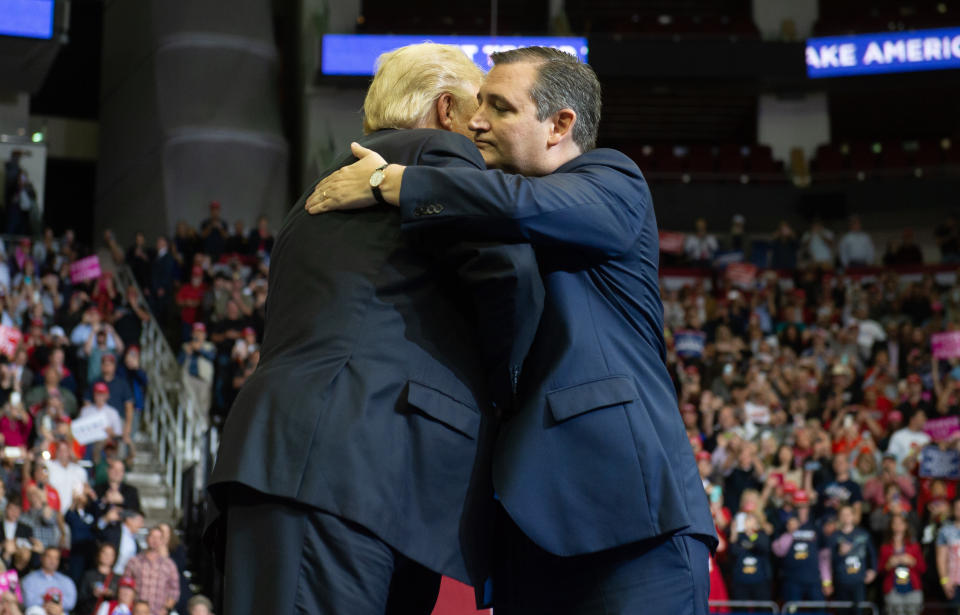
(189, 299)
(902, 566)
(15, 423)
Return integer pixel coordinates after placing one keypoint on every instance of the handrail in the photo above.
(791, 607)
(170, 410)
(746, 604)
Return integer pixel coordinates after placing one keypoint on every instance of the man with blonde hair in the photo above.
(345, 459)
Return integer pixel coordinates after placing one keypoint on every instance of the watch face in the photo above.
(376, 178)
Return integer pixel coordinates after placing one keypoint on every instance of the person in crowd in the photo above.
(123, 604)
(948, 555)
(261, 239)
(65, 475)
(947, 236)
(121, 395)
(99, 583)
(902, 566)
(47, 579)
(198, 359)
(103, 340)
(852, 563)
(81, 522)
(700, 247)
(116, 492)
(190, 300)
(856, 246)
(105, 412)
(119, 528)
(214, 232)
(818, 245)
(163, 274)
(52, 385)
(15, 422)
(799, 550)
(750, 551)
(784, 247)
(199, 605)
(906, 443)
(155, 574)
(45, 520)
(842, 490)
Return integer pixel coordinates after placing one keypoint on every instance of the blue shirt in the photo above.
(37, 583)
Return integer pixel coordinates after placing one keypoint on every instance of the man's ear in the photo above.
(445, 106)
(561, 126)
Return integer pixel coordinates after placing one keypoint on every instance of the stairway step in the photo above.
(155, 502)
(152, 477)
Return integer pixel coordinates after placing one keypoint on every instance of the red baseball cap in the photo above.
(914, 379)
(789, 487)
(128, 582)
(214, 204)
(109, 357)
(199, 326)
(894, 415)
(100, 387)
(249, 331)
(800, 496)
(703, 456)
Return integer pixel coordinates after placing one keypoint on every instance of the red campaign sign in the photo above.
(945, 345)
(742, 274)
(671, 242)
(10, 338)
(85, 269)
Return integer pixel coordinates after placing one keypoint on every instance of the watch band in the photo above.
(377, 194)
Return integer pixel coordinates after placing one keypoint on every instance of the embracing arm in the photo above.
(598, 201)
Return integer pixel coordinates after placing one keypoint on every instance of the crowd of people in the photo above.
(207, 288)
(787, 250)
(71, 393)
(824, 413)
(827, 433)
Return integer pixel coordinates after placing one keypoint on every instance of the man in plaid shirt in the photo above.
(156, 575)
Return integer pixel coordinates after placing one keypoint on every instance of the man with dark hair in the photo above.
(599, 507)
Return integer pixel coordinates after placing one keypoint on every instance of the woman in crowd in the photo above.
(902, 567)
(99, 584)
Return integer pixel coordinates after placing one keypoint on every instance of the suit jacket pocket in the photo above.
(441, 407)
(570, 401)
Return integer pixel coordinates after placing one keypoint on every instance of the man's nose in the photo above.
(478, 123)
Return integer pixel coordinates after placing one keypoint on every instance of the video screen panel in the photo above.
(886, 52)
(356, 54)
(26, 18)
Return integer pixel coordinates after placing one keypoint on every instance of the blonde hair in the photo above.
(409, 80)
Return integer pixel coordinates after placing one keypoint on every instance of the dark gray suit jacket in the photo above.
(368, 396)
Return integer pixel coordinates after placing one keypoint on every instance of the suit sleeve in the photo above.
(501, 280)
(600, 204)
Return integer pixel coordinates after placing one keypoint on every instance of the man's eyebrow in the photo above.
(496, 98)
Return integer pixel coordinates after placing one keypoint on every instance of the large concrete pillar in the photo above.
(190, 113)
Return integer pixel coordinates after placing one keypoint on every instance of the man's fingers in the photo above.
(360, 151)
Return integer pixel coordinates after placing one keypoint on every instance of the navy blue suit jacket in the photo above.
(597, 455)
(367, 399)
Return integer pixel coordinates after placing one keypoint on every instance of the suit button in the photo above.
(438, 207)
(418, 211)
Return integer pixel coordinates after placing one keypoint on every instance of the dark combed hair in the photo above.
(563, 82)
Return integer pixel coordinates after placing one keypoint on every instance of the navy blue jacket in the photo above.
(597, 455)
(367, 399)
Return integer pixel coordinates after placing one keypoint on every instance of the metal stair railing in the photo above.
(170, 410)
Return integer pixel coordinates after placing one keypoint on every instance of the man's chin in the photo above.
(489, 156)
